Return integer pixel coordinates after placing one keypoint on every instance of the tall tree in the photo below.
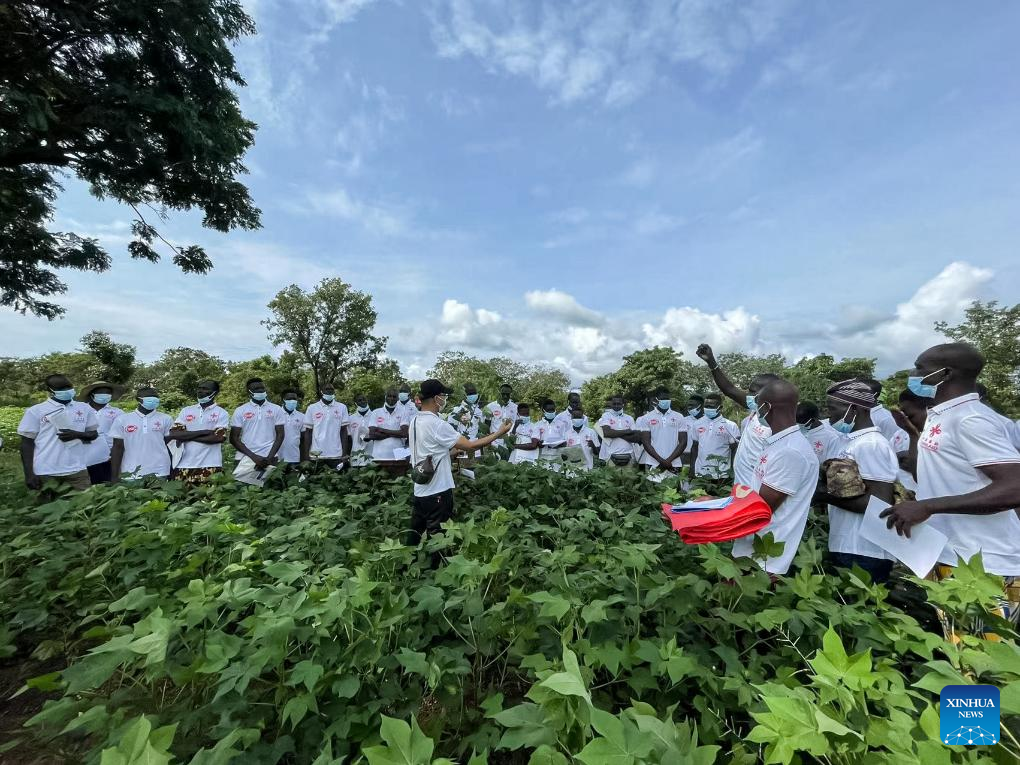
(330, 328)
(995, 331)
(118, 359)
(136, 100)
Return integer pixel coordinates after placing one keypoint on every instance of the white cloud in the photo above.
(655, 222)
(604, 50)
(561, 306)
(338, 203)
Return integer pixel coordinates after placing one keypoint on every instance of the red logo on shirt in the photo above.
(653, 422)
(934, 430)
(818, 446)
(612, 423)
(249, 415)
(157, 426)
(131, 428)
(318, 415)
(702, 429)
(214, 416)
(379, 420)
(764, 458)
(191, 418)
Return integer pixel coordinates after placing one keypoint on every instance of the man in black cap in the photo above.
(431, 436)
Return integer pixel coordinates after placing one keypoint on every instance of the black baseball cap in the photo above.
(432, 388)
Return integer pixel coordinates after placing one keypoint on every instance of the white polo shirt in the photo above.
(258, 425)
(826, 441)
(98, 451)
(960, 436)
(197, 417)
(326, 421)
(361, 450)
(788, 465)
(1012, 428)
(882, 419)
(876, 461)
(395, 420)
(41, 423)
(585, 438)
(408, 409)
(611, 446)
(293, 425)
(144, 437)
(900, 441)
(665, 429)
(566, 418)
(501, 413)
(714, 438)
(692, 423)
(431, 436)
(754, 434)
(526, 432)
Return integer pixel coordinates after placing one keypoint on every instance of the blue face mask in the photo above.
(664, 404)
(259, 396)
(403, 397)
(804, 429)
(327, 397)
(362, 410)
(578, 421)
(63, 395)
(694, 411)
(843, 426)
(150, 402)
(752, 402)
(102, 398)
(205, 399)
(550, 416)
(711, 413)
(918, 387)
(290, 404)
(471, 398)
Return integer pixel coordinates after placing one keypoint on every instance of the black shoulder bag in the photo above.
(425, 470)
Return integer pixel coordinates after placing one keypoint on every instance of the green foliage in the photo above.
(566, 624)
(812, 375)
(330, 329)
(531, 382)
(139, 101)
(995, 331)
(118, 359)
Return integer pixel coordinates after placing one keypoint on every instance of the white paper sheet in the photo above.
(401, 453)
(706, 503)
(246, 472)
(919, 552)
(470, 474)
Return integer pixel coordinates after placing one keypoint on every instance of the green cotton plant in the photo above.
(566, 623)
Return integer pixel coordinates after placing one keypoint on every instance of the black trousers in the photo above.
(100, 473)
(428, 514)
(879, 569)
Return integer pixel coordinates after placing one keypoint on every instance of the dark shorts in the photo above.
(100, 473)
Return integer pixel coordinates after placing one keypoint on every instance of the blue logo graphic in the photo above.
(969, 715)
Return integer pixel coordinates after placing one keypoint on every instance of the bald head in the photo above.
(780, 392)
(963, 358)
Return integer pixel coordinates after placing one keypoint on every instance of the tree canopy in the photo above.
(330, 329)
(137, 100)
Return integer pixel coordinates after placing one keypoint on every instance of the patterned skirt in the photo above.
(194, 476)
(1008, 608)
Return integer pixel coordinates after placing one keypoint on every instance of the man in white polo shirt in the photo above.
(257, 427)
(503, 409)
(968, 472)
(581, 435)
(786, 476)
(405, 402)
(431, 439)
(527, 437)
(1012, 427)
(850, 404)
(664, 434)
(361, 449)
(754, 431)
(715, 440)
(328, 421)
(139, 440)
(53, 437)
(98, 395)
(695, 416)
(824, 438)
(293, 427)
(201, 430)
(387, 428)
(619, 434)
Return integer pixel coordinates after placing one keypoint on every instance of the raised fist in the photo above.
(704, 353)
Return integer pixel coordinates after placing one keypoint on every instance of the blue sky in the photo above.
(567, 182)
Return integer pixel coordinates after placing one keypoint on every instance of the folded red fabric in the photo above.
(744, 512)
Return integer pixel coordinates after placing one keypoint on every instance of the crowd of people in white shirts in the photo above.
(943, 456)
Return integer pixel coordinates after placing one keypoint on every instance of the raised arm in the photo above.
(724, 383)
